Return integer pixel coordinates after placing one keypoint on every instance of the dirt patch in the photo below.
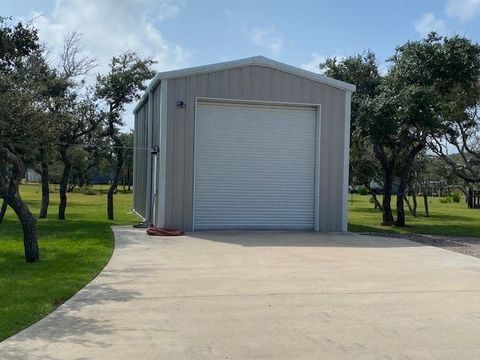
(462, 245)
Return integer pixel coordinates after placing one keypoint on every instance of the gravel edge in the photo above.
(463, 245)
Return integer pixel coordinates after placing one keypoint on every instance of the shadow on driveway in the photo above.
(301, 239)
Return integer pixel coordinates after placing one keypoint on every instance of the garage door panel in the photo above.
(254, 167)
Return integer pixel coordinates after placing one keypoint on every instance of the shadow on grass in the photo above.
(367, 228)
(467, 229)
(461, 231)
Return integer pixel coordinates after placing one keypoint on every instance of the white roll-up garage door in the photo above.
(254, 167)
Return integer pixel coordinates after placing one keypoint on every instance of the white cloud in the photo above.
(109, 27)
(428, 23)
(463, 10)
(267, 38)
(316, 59)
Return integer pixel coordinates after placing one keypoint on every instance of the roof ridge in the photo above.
(258, 60)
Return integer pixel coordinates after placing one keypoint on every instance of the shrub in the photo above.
(362, 190)
(446, 200)
(89, 191)
(456, 197)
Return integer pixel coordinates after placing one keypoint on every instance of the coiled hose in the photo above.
(155, 231)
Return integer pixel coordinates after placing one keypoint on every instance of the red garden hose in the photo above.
(152, 230)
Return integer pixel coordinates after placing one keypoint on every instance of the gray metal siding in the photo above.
(140, 161)
(251, 83)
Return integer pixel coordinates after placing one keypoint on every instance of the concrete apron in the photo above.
(266, 295)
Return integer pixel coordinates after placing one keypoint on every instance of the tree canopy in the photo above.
(430, 86)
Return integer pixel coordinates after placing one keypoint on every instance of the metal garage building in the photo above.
(246, 144)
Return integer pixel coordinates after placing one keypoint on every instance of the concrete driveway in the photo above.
(266, 295)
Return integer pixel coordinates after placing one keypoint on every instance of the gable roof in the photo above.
(256, 60)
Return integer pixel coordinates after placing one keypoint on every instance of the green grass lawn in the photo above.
(452, 219)
(72, 252)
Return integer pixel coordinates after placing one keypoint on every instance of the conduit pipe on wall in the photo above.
(149, 98)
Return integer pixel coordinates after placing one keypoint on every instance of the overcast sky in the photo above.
(182, 33)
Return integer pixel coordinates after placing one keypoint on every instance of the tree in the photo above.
(19, 122)
(89, 158)
(122, 85)
(364, 168)
(462, 136)
(430, 82)
(54, 88)
(378, 125)
(429, 171)
(410, 114)
(63, 86)
(127, 140)
(362, 70)
(80, 116)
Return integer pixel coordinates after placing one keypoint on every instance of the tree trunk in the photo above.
(470, 198)
(376, 202)
(9, 193)
(414, 200)
(387, 168)
(410, 208)
(387, 216)
(129, 177)
(425, 204)
(71, 187)
(67, 166)
(45, 185)
(116, 176)
(400, 211)
(402, 188)
(3, 210)
(386, 202)
(29, 226)
(400, 198)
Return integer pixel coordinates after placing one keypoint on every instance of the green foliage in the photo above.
(362, 190)
(124, 82)
(430, 85)
(445, 200)
(122, 85)
(456, 197)
(438, 78)
(361, 70)
(127, 170)
(20, 119)
(20, 84)
(73, 253)
(17, 42)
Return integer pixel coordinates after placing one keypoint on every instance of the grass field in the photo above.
(72, 252)
(452, 219)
